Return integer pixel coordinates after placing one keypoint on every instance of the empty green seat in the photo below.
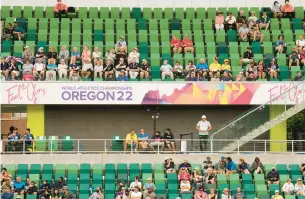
(67, 143)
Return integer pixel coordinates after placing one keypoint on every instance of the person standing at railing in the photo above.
(28, 139)
(203, 127)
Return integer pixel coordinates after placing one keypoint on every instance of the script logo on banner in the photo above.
(29, 92)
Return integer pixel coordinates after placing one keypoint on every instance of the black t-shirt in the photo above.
(241, 19)
(73, 67)
(40, 54)
(226, 79)
(120, 55)
(108, 68)
(8, 31)
(133, 66)
(45, 196)
(52, 55)
(120, 67)
(144, 66)
(4, 66)
(248, 55)
(168, 136)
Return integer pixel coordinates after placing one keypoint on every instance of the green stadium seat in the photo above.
(82, 12)
(275, 35)
(285, 24)
(266, 34)
(93, 12)
(147, 13)
(179, 13)
(5, 12)
(209, 36)
(12, 169)
(49, 12)
(190, 13)
(115, 12)
(231, 36)
(249, 189)
(186, 195)
(39, 12)
(211, 13)
(136, 13)
(16, 11)
(274, 24)
(234, 11)
(142, 24)
(294, 169)
(207, 24)
(268, 48)
(158, 13)
(211, 48)
(297, 24)
(168, 13)
(220, 36)
(35, 169)
(27, 12)
(125, 13)
(67, 143)
(299, 12)
(284, 73)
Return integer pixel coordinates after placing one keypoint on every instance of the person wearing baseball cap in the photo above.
(225, 66)
(277, 195)
(66, 194)
(230, 22)
(203, 127)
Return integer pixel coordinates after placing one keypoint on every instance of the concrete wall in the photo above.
(283, 158)
(103, 122)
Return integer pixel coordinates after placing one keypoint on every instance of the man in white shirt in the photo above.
(300, 42)
(166, 70)
(203, 127)
(230, 21)
(136, 194)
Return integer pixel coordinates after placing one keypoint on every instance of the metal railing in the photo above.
(254, 118)
(182, 146)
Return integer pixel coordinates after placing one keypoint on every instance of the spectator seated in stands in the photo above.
(226, 67)
(169, 165)
(135, 183)
(41, 55)
(136, 194)
(178, 69)
(230, 166)
(243, 32)
(87, 69)
(226, 76)
(64, 54)
(133, 69)
(187, 45)
(252, 20)
(143, 140)
(32, 189)
(239, 194)
(280, 44)
(176, 44)
(212, 194)
(288, 188)
(185, 164)
(169, 139)
(200, 194)
(252, 77)
(19, 186)
(73, 67)
(277, 195)
(240, 77)
(56, 195)
(288, 10)
(255, 34)
(144, 69)
(122, 76)
(149, 187)
(27, 66)
(51, 71)
(166, 70)
(134, 54)
(98, 68)
(299, 77)
(273, 69)
(243, 167)
(86, 54)
(185, 186)
(276, 10)
(66, 194)
(230, 22)
(5, 176)
(96, 55)
(189, 68)
(122, 194)
(75, 55)
(8, 32)
(13, 140)
(157, 141)
(264, 22)
(300, 42)
(273, 177)
(294, 58)
(207, 163)
(59, 184)
(299, 188)
(210, 177)
(45, 185)
(192, 77)
(62, 69)
(110, 54)
(28, 76)
(95, 195)
(241, 19)
(121, 45)
(215, 76)
(27, 55)
(202, 68)
(197, 177)
(60, 9)
(108, 69)
(247, 57)
(215, 67)
(7, 193)
(51, 55)
(131, 140)
(184, 174)
(18, 31)
(251, 68)
(121, 67)
(219, 21)
(302, 56)
(226, 194)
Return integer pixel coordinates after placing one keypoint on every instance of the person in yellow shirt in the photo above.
(131, 139)
(277, 195)
(226, 66)
(215, 67)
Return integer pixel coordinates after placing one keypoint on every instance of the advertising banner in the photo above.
(203, 93)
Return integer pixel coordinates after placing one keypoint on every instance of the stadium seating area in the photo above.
(150, 31)
(80, 178)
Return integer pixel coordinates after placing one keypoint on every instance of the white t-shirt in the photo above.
(203, 126)
(134, 184)
(185, 186)
(39, 67)
(98, 68)
(136, 194)
(300, 42)
(230, 20)
(87, 66)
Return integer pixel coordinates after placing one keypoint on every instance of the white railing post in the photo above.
(105, 146)
(238, 145)
(77, 146)
(292, 146)
(265, 146)
(211, 140)
(131, 146)
(52, 147)
(158, 147)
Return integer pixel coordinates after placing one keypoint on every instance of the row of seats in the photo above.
(137, 13)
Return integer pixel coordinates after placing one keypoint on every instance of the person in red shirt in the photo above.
(288, 10)
(187, 45)
(60, 9)
(176, 44)
(28, 76)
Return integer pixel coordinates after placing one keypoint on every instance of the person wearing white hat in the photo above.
(203, 127)
(277, 195)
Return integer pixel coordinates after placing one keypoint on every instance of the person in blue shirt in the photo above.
(7, 194)
(122, 76)
(28, 138)
(19, 186)
(17, 30)
(230, 166)
(14, 143)
(51, 71)
(202, 68)
(143, 140)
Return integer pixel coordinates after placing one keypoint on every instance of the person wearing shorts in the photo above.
(248, 55)
(131, 140)
(203, 127)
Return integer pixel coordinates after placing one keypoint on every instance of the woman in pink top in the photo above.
(287, 10)
(184, 174)
(219, 21)
(302, 56)
(86, 55)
